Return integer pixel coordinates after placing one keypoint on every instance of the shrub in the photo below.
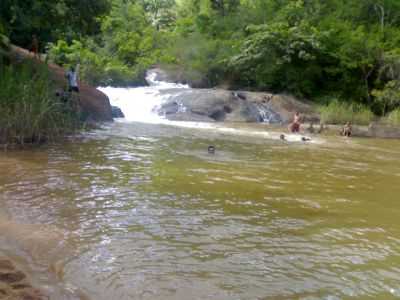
(337, 112)
(393, 118)
(30, 112)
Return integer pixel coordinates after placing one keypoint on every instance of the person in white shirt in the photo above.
(72, 76)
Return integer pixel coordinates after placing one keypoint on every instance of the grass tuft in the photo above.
(339, 113)
(393, 118)
(30, 111)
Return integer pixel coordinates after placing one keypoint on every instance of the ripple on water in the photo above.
(159, 218)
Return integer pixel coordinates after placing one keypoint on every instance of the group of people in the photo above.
(294, 127)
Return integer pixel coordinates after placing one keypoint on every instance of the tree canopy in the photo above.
(324, 50)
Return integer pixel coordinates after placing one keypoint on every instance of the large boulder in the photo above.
(94, 104)
(232, 106)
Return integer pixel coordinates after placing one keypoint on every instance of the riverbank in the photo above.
(34, 107)
(181, 103)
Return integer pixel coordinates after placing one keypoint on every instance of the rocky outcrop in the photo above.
(95, 104)
(233, 106)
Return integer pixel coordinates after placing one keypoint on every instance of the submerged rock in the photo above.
(14, 283)
(117, 112)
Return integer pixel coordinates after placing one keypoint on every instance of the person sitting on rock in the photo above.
(346, 130)
(294, 127)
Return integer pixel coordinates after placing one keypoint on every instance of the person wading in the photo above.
(294, 127)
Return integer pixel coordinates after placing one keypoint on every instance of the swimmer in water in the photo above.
(305, 139)
(282, 137)
(211, 149)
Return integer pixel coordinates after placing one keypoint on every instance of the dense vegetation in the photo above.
(30, 112)
(329, 51)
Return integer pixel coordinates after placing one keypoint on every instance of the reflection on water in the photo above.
(144, 212)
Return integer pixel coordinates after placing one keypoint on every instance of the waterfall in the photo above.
(267, 115)
(139, 103)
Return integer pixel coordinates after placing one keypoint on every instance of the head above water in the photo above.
(211, 149)
(282, 137)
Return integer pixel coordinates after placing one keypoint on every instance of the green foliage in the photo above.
(127, 45)
(30, 112)
(311, 49)
(336, 112)
(389, 97)
(4, 44)
(50, 20)
(393, 117)
(281, 57)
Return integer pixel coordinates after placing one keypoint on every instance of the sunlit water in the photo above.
(142, 211)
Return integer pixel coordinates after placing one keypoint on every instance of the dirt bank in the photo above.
(95, 104)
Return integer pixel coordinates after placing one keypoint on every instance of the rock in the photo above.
(383, 131)
(14, 283)
(170, 108)
(117, 112)
(94, 103)
(232, 106)
(374, 130)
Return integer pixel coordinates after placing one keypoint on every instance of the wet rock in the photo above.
(11, 276)
(14, 283)
(117, 112)
(233, 106)
(384, 131)
(170, 108)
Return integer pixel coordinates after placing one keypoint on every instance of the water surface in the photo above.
(144, 212)
(140, 210)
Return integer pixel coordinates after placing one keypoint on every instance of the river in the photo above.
(140, 210)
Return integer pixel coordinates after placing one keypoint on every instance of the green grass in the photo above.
(30, 112)
(339, 113)
(393, 118)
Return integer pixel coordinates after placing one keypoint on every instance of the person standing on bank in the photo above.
(35, 47)
(73, 78)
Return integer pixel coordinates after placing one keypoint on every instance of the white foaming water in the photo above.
(140, 104)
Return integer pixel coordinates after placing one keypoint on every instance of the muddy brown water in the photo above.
(138, 211)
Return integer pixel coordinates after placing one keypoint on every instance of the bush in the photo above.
(30, 112)
(337, 112)
(393, 118)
